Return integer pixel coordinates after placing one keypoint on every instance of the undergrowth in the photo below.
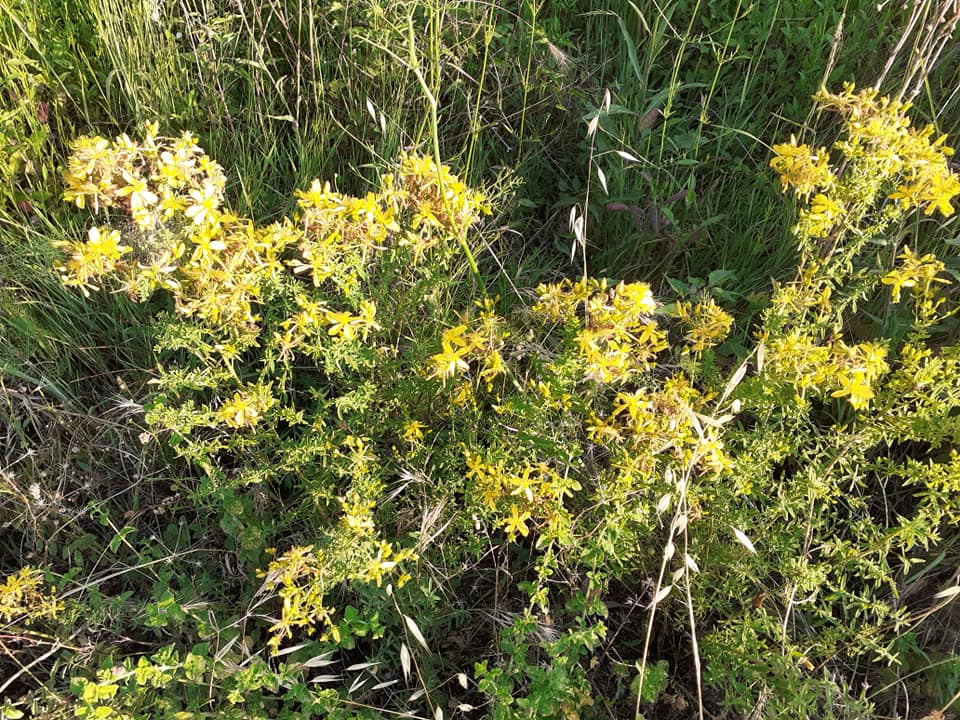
(548, 399)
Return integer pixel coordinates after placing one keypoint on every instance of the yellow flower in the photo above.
(524, 484)
(856, 389)
(823, 214)
(105, 244)
(463, 395)
(634, 298)
(709, 324)
(914, 272)
(943, 186)
(381, 564)
(238, 412)
(140, 194)
(413, 431)
(357, 514)
(897, 282)
(205, 204)
(208, 242)
(874, 357)
(341, 324)
(449, 362)
(92, 259)
(909, 194)
(455, 337)
(455, 348)
(634, 404)
(246, 409)
(317, 196)
(492, 366)
(800, 168)
(172, 204)
(516, 523)
(367, 317)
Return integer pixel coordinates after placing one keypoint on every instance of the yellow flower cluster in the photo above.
(849, 371)
(463, 344)
(434, 202)
(218, 275)
(807, 302)
(879, 132)
(883, 158)
(881, 151)
(917, 273)
(418, 206)
(820, 218)
(152, 180)
(528, 493)
(650, 423)
(357, 514)
(216, 264)
(92, 259)
(618, 335)
(22, 596)
(304, 575)
(301, 576)
(338, 227)
(304, 330)
(383, 561)
(414, 431)
(708, 325)
(802, 168)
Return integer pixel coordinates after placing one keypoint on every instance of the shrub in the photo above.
(342, 395)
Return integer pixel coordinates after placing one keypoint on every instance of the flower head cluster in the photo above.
(879, 134)
(849, 371)
(357, 514)
(213, 263)
(919, 274)
(22, 596)
(303, 577)
(152, 180)
(433, 201)
(481, 339)
(216, 265)
(92, 259)
(305, 331)
(522, 494)
(647, 423)
(418, 206)
(883, 156)
(708, 324)
(617, 333)
(338, 227)
(801, 167)
(822, 216)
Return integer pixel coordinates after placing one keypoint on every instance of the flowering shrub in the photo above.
(340, 396)
(883, 159)
(848, 403)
